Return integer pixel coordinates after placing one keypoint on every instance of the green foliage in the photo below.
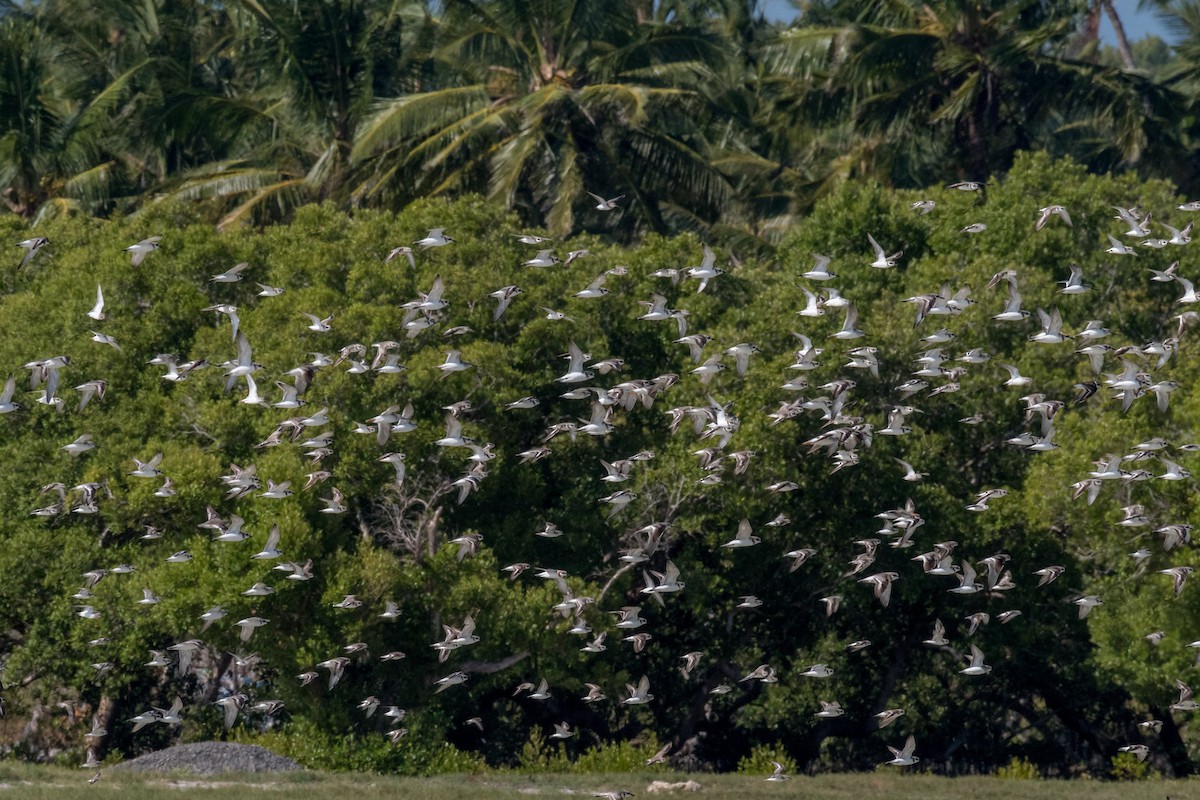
(762, 760)
(417, 753)
(1018, 769)
(1051, 669)
(540, 754)
(619, 757)
(704, 116)
(1127, 767)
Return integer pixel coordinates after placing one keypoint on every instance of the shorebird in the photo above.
(707, 270)
(32, 248)
(1052, 211)
(640, 694)
(903, 757)
(609, 204)
(403, 250)
(778, 774)
(744, 536)
(231, 275)
(435, 238)
(882, 260)
(138, 252)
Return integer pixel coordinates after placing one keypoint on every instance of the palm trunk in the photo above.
(1119, 29)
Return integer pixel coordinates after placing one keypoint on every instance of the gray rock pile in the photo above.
(211, 758)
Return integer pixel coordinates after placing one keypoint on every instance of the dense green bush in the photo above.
(1065, 677)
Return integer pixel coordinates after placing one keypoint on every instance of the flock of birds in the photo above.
(842, 437)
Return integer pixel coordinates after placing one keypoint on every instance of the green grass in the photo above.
(25, 781)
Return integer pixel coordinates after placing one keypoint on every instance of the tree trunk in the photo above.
(977, 148)
(1181, 765)
(1119, 29)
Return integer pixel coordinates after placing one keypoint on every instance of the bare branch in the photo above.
(407, 517)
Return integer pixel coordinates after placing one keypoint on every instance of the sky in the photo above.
(1137, 23)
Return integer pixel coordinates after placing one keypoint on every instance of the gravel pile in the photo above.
(211, 758)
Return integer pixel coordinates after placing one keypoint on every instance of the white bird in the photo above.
(707, 270)
(1052, 211)
(139, 251)
(1087, 603)
(976, 665)
(1074, 284)
(453, 679)
(1118, 248)
(813, 306)
(1012, 309)
(609, 204)
(7, 406)
(97, 312)
(318, 324)
(232, 705)
(744, 536)
(271, 549)
(1189, 291)
(403, 250)
(397, 460)
(453, 363)
(882, 260)
(575, 372)
(212, 615)
(104, 338)
(849, 329)
(231, 275)
(504, 297)
(454, 435)
(544, 258)
(820, 270)
(778, 774)
(249, 625)
(594, 289)
(903, 757)
(80, 446)
(435, 238)
(640, 694)
(1051, 332)
(32, 246)
(148, 469)
(1138, 225)
(277, 491)
(171, 716)
(1015, 378)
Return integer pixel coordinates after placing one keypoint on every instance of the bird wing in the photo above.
(576, 356)
(879, 254)
(244, 356)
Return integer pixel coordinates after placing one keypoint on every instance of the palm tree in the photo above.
(60, 145)
(972, 82)
(539, 102)
(308, 71)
